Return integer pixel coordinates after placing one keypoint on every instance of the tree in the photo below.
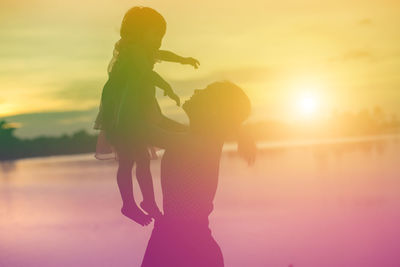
(8, 142)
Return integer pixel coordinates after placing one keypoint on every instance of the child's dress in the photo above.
(127, 103)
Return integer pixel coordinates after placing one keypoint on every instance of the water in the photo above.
(312, 204)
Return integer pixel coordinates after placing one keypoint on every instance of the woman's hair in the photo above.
(229, 108)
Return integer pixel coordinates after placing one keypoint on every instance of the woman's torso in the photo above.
(189, 177)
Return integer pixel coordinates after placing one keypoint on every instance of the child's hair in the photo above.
(137, 21)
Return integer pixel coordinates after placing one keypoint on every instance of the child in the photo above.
(128, 104)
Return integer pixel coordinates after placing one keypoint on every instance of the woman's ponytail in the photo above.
(246, 146)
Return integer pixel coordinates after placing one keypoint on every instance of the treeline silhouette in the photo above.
(12, 147)
(345, 124)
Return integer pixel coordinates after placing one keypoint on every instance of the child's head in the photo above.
(144, 26)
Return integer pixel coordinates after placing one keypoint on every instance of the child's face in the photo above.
(153, 39)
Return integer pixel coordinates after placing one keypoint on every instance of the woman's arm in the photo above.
(162, 138)
(161, 131)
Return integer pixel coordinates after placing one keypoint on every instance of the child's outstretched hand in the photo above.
(173, 96)
(191, 61)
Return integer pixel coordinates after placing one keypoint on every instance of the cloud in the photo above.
(80, 90)
(236, 75)
(365, 22)
(355, 55)
(53, 123)
(246, 74)
(76, 119)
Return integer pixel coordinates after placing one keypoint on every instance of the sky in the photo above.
(298, 59)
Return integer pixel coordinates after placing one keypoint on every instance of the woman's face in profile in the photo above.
(204, 99)
(220, 108)
(194, 101)
(202, 105)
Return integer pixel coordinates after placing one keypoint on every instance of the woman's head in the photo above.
(143, 25)
(220, 108)
(219, 111)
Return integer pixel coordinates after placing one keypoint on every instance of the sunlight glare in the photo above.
(307, 104)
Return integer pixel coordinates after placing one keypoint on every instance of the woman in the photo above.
(189, 177)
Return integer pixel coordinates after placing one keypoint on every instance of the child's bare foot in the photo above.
(151, 208)
(136, 214)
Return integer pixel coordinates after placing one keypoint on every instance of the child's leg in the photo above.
(124, 180)
(145, 181)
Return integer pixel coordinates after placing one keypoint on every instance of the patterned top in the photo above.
(189, 178)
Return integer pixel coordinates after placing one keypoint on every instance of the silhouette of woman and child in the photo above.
(132, 125)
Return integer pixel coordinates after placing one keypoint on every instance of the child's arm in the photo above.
(162, 84)
(165, 55)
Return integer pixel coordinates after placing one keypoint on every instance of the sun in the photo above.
(307, 104)
(307, 97)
